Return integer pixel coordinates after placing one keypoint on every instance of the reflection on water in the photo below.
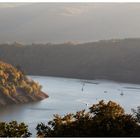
(70, 95)
(42, 109)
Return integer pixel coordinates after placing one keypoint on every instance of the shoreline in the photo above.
(88, 80)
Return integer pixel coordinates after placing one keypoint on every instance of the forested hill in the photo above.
(16, 88)
(109, 59)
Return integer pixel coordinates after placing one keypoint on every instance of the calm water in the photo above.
(70, 95)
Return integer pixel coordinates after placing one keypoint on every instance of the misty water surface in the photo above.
(71, 95)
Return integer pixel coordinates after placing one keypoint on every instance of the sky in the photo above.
(68, 22)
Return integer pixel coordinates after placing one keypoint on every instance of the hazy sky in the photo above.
(61, 22)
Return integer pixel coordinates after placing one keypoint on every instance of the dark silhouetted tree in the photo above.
(14, 129)
(102, 120)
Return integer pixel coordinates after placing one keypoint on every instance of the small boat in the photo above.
(121, 94)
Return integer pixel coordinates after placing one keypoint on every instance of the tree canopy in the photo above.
(14, 129)
(102, 120)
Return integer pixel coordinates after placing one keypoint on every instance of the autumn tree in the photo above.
(14, 129)
(102, 120)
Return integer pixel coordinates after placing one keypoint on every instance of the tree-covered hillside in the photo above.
(16, 88)
(109, 59)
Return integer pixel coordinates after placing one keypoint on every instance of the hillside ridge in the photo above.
(114, 59)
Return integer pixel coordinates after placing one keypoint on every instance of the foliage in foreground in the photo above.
(102, 120)
(13, 129)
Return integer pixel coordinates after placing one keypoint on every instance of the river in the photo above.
(71, 95)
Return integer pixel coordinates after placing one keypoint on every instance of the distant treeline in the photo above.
(111, 59)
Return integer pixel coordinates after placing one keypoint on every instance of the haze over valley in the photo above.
(62, 22)
(69, 70)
